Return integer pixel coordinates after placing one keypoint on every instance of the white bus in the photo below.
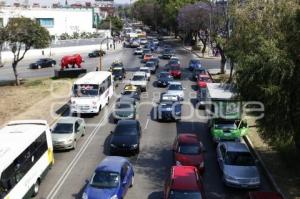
(26, 154)
(92, 92)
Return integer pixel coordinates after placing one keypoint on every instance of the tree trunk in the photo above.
(1, 47)
(231, 71)
(223, 59)
(14, 65)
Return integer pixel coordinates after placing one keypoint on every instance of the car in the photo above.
(163, 79)
(96, 53)
(126, 137)
(172, 62)
(145, 51)
(138, 51)
(116, 64)
(199, 71)
(66, 132)
(167, 53)
(151, 65)
(111, 179)
(125, 108)
(118, 73)
(175, 58)
(169, 108)
(264, 195)
(43, 63)
(156, 61)
(201, 97)
(202, 80)
(194, 63)
(175, 71)
(175, 88)
(189, 151)
(140, 79)
(237, 165)
(228, 130)
(143, 41)
(131, 91)
(184, 183)
(147, 57)
(135, 43)
(147, 71)
(155, 42)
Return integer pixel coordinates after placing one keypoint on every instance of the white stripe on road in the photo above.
(146, 126)
(67, 172)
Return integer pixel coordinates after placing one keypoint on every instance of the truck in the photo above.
(225, 113)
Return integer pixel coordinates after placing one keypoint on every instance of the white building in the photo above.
(57, 21)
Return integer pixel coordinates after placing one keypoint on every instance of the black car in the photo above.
(126, 137)
(163, 79)
(96, 53)
(169, 108)
(167, 53)
(125, 108)
(42, 63)
(135, 94)
(156, 61)
(118, 73)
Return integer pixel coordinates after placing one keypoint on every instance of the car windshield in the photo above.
(128, 93)
(105, 179)
(185, 195)
(144, 70)
(164, 75)
(175, 87)
(226, 125)
(63, 128)
(123, 106)
(146, 51)
(41, 60)
(126, 129)
(138, 78)
(117, 72)
(189, 149)
(153, 59)
(239, 159)
(149, 64)
(167, 50)
(116, 64)
(85, 90)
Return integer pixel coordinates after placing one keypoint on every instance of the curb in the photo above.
(267, 172)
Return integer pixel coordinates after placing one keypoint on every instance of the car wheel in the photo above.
(132, 181)
(36, 188)
(74, 144)
(99, 110)
(52, 65)
(107, 101)
(39, 66)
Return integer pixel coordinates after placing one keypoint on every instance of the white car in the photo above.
(140, 79)
(138, 51)
(175, 59)
(147, 71)
(175, 88)
(143, 41)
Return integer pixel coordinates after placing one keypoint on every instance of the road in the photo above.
(68, 176)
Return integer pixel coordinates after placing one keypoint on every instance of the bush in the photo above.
(64, 36)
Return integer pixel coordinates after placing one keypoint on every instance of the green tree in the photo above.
(115, 23)
(23, 34)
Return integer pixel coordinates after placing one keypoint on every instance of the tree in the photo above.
(23, 34)
(3, 38)
(112, 22)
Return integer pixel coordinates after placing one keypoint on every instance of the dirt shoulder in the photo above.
(34, 99)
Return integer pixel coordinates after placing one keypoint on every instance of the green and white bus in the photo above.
(26, 154)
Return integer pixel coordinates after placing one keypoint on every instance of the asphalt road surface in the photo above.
(68, 176)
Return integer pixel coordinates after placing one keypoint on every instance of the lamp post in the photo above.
(101, 53)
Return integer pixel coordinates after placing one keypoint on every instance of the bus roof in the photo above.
(96, 77)
(220, 91)
(16, 136)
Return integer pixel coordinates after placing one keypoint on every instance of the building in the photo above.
(56, 20)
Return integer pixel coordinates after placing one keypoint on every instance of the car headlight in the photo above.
(85, 196)
(112, 145)
(69, 141)
(178, 163)
(255, 180)
(134, 146)
(114, 197)
(130, 115)
(230, 178)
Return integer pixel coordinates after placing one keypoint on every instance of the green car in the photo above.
(228, 130)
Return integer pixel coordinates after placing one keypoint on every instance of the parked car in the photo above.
(42, 63)
(169, 108)
(126, 137)
(237, 165)
(140, 79)
(138, 51)
(66, 132)
(132, 91)
(264, 195)
(175, 88)
(184, 183)
(194, 63)
(111, 179)
(97, 53)
(164, 79)
(147, 71)
(189, 151)
(125, 109)
(151, 65)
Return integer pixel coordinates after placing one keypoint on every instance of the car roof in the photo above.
(184, 178)
(127, 122)
(188, 138)
(144, 68)
(236, 147)
(111, 163)
(139, 73)
(68, 120)
(175, 83)
(126, 99)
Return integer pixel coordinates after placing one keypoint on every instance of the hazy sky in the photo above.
(49, 2)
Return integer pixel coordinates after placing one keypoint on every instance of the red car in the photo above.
(188, 151)
(147, 57)
(203, 79)
(264, 195)
(175, 71)
(184, 182)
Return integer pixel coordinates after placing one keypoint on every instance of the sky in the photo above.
(49, 2)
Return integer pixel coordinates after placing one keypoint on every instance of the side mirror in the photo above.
(111, 132)
(124, 183)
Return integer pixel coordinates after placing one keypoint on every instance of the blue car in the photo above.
(111, 179)
(194, 63)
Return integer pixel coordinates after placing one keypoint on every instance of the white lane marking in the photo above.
(67, 172)
(146, 126)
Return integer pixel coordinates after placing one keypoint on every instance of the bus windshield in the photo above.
(86, 90)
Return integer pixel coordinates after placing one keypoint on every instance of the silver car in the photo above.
(237, 165)
(66, 132)
(175, 88)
